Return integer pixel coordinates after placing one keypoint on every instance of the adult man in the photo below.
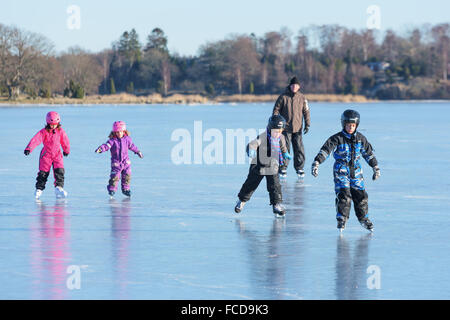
(293, 106)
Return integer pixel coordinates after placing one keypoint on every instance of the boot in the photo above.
(60, 192)
(300, 174)
(37, 194)
(341, 223)
(367, 224)
(279, 210)
(239, 206)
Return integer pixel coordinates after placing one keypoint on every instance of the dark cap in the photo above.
(294, 80)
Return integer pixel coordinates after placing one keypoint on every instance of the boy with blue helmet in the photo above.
(348, 146)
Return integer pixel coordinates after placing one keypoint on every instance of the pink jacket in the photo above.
(52, 139)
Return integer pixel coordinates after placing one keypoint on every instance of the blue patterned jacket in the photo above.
(347, 151)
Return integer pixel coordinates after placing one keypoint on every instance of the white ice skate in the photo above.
(37, 194)
(60, 192)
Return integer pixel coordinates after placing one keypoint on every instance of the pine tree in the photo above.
(157, 40)
(112, 86)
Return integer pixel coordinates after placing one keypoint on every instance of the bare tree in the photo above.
(20, 52)
(242, 59)
(82, 68)
(441, 34)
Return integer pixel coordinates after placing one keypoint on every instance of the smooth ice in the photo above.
(178, 237)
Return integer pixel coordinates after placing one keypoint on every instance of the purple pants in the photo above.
(120, 170)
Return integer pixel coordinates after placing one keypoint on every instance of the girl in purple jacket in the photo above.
(119, 142)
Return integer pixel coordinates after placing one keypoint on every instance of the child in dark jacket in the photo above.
(348, 146)
(268, 152)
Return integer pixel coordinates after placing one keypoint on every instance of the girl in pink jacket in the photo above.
(53, 137)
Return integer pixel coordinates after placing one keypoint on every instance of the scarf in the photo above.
(275, 147)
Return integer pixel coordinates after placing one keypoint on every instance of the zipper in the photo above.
(352, 158)
(120, 150)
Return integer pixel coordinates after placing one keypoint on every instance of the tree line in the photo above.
(329, 59)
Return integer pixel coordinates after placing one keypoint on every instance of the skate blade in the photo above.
(370, 230)
(280, 216)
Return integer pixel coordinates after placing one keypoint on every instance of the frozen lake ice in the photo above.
(178, 236)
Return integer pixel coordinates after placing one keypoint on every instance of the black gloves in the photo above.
(376, 173)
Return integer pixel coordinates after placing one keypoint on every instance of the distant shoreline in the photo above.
(124, 98)
(189, 99)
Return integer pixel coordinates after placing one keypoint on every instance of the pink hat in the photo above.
(119, 126)
(53, 118)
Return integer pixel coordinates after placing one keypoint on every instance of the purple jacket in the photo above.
(119, 148)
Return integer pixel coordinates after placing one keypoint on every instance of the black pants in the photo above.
(42, 177)
(344, 199)
(253, 181)
(299, 150)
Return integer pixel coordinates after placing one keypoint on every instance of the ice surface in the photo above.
(178, 236)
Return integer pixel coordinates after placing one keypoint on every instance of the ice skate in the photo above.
(300, 174)
(279, 210)
(111, 194)
(239, 206)
(366, 224)
(37, 194)
(127, 193)
(341, 224)
(60, 192)
(283, 174)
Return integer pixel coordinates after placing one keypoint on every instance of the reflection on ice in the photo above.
(120, 229)
(50, 250)
(266, 261)
(178, 237)
(351, 276)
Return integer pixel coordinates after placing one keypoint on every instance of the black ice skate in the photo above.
(341, 224)
(283, 174)
(367, 224)
(239, 206)
(279, 210)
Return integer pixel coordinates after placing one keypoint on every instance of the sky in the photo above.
(190, 24)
